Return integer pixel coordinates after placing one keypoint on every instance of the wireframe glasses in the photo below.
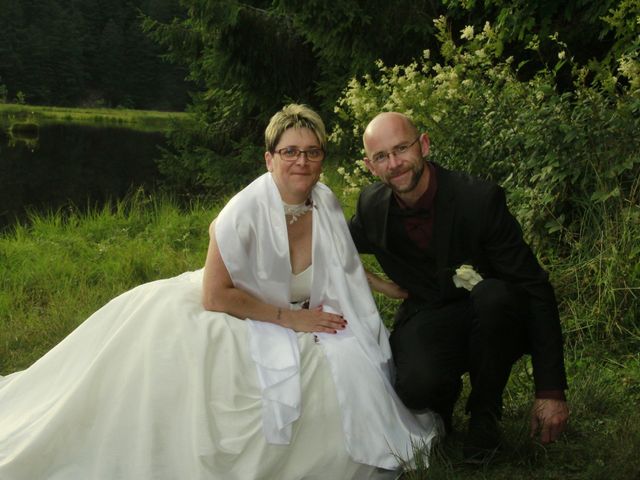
(291, 154)
(381, 158)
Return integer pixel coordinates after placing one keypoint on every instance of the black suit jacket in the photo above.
(472, 225)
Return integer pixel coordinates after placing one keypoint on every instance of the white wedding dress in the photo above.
(154, 387)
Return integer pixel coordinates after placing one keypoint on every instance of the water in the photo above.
(63, 165)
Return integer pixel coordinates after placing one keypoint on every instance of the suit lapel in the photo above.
(379, 217)
(445, 214)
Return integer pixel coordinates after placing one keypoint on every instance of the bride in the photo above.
(270, 363)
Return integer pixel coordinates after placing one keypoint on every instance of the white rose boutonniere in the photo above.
(466, 277)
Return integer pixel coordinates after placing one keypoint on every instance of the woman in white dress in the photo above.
(270, 363)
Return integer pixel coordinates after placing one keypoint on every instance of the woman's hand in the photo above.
(313, 320)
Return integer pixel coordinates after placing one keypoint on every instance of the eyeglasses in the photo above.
(381, 158)
(291, 154)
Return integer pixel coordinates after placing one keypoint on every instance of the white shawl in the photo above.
(251, 233)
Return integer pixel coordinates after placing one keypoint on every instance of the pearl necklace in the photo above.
(297, 211)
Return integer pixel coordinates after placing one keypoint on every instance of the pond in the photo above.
(56, 166)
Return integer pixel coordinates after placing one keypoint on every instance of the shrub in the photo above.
(568, 160)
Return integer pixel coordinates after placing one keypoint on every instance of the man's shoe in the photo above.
(483, 439)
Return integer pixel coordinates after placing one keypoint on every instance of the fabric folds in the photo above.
(252, 238)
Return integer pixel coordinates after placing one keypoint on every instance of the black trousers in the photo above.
(433, 346)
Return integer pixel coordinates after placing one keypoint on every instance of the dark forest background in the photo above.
(246, 59)
(518, 73)
(89, 53)
(243, 60)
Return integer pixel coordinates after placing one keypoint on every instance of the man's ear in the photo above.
(268, 159)
(425, 144)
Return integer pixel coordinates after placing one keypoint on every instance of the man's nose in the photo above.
(394, 160)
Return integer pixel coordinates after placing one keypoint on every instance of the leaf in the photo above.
(600, 196)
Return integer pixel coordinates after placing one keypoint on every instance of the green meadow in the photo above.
(144, 120)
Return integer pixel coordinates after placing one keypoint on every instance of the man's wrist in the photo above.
(551, 395)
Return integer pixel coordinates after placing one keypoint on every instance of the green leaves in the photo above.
(555, 152)
(569, 160)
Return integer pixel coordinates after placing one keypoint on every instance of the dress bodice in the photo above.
(300, 289)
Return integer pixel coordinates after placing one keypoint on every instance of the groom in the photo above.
(423, 222)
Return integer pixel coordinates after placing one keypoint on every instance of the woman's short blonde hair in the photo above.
(293, 116)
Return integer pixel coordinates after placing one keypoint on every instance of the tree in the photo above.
(11, 18)
(3, 91)
(248, 58)
(111, 71)
(92, 52)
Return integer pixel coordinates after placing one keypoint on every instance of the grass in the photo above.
(144, 120)
(63, 266)
(601, 441)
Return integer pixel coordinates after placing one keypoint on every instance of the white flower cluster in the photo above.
(629, 66)
(355, 178)
(467, 32)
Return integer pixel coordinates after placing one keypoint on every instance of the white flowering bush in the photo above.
(553, 151)
(569, 160)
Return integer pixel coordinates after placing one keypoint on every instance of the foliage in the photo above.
(578, 23)
(570, 161)
(200, 163)
(244, 65)
(89, 52)
(248, 58)
(3, 91)
(348, 36)
(624, 24)
(483, 119)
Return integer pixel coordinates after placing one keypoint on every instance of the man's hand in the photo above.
(386, 287)
(549, 419)
(393, 290)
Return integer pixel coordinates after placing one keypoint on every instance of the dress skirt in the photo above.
(152, 386)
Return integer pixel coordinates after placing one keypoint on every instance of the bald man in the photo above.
(423, 222)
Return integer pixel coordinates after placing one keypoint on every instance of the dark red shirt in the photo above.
(418, 219)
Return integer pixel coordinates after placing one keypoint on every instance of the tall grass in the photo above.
(62, 267)
(601, 440)
(599, 279)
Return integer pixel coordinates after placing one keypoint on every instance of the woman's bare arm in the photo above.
(220, 295)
